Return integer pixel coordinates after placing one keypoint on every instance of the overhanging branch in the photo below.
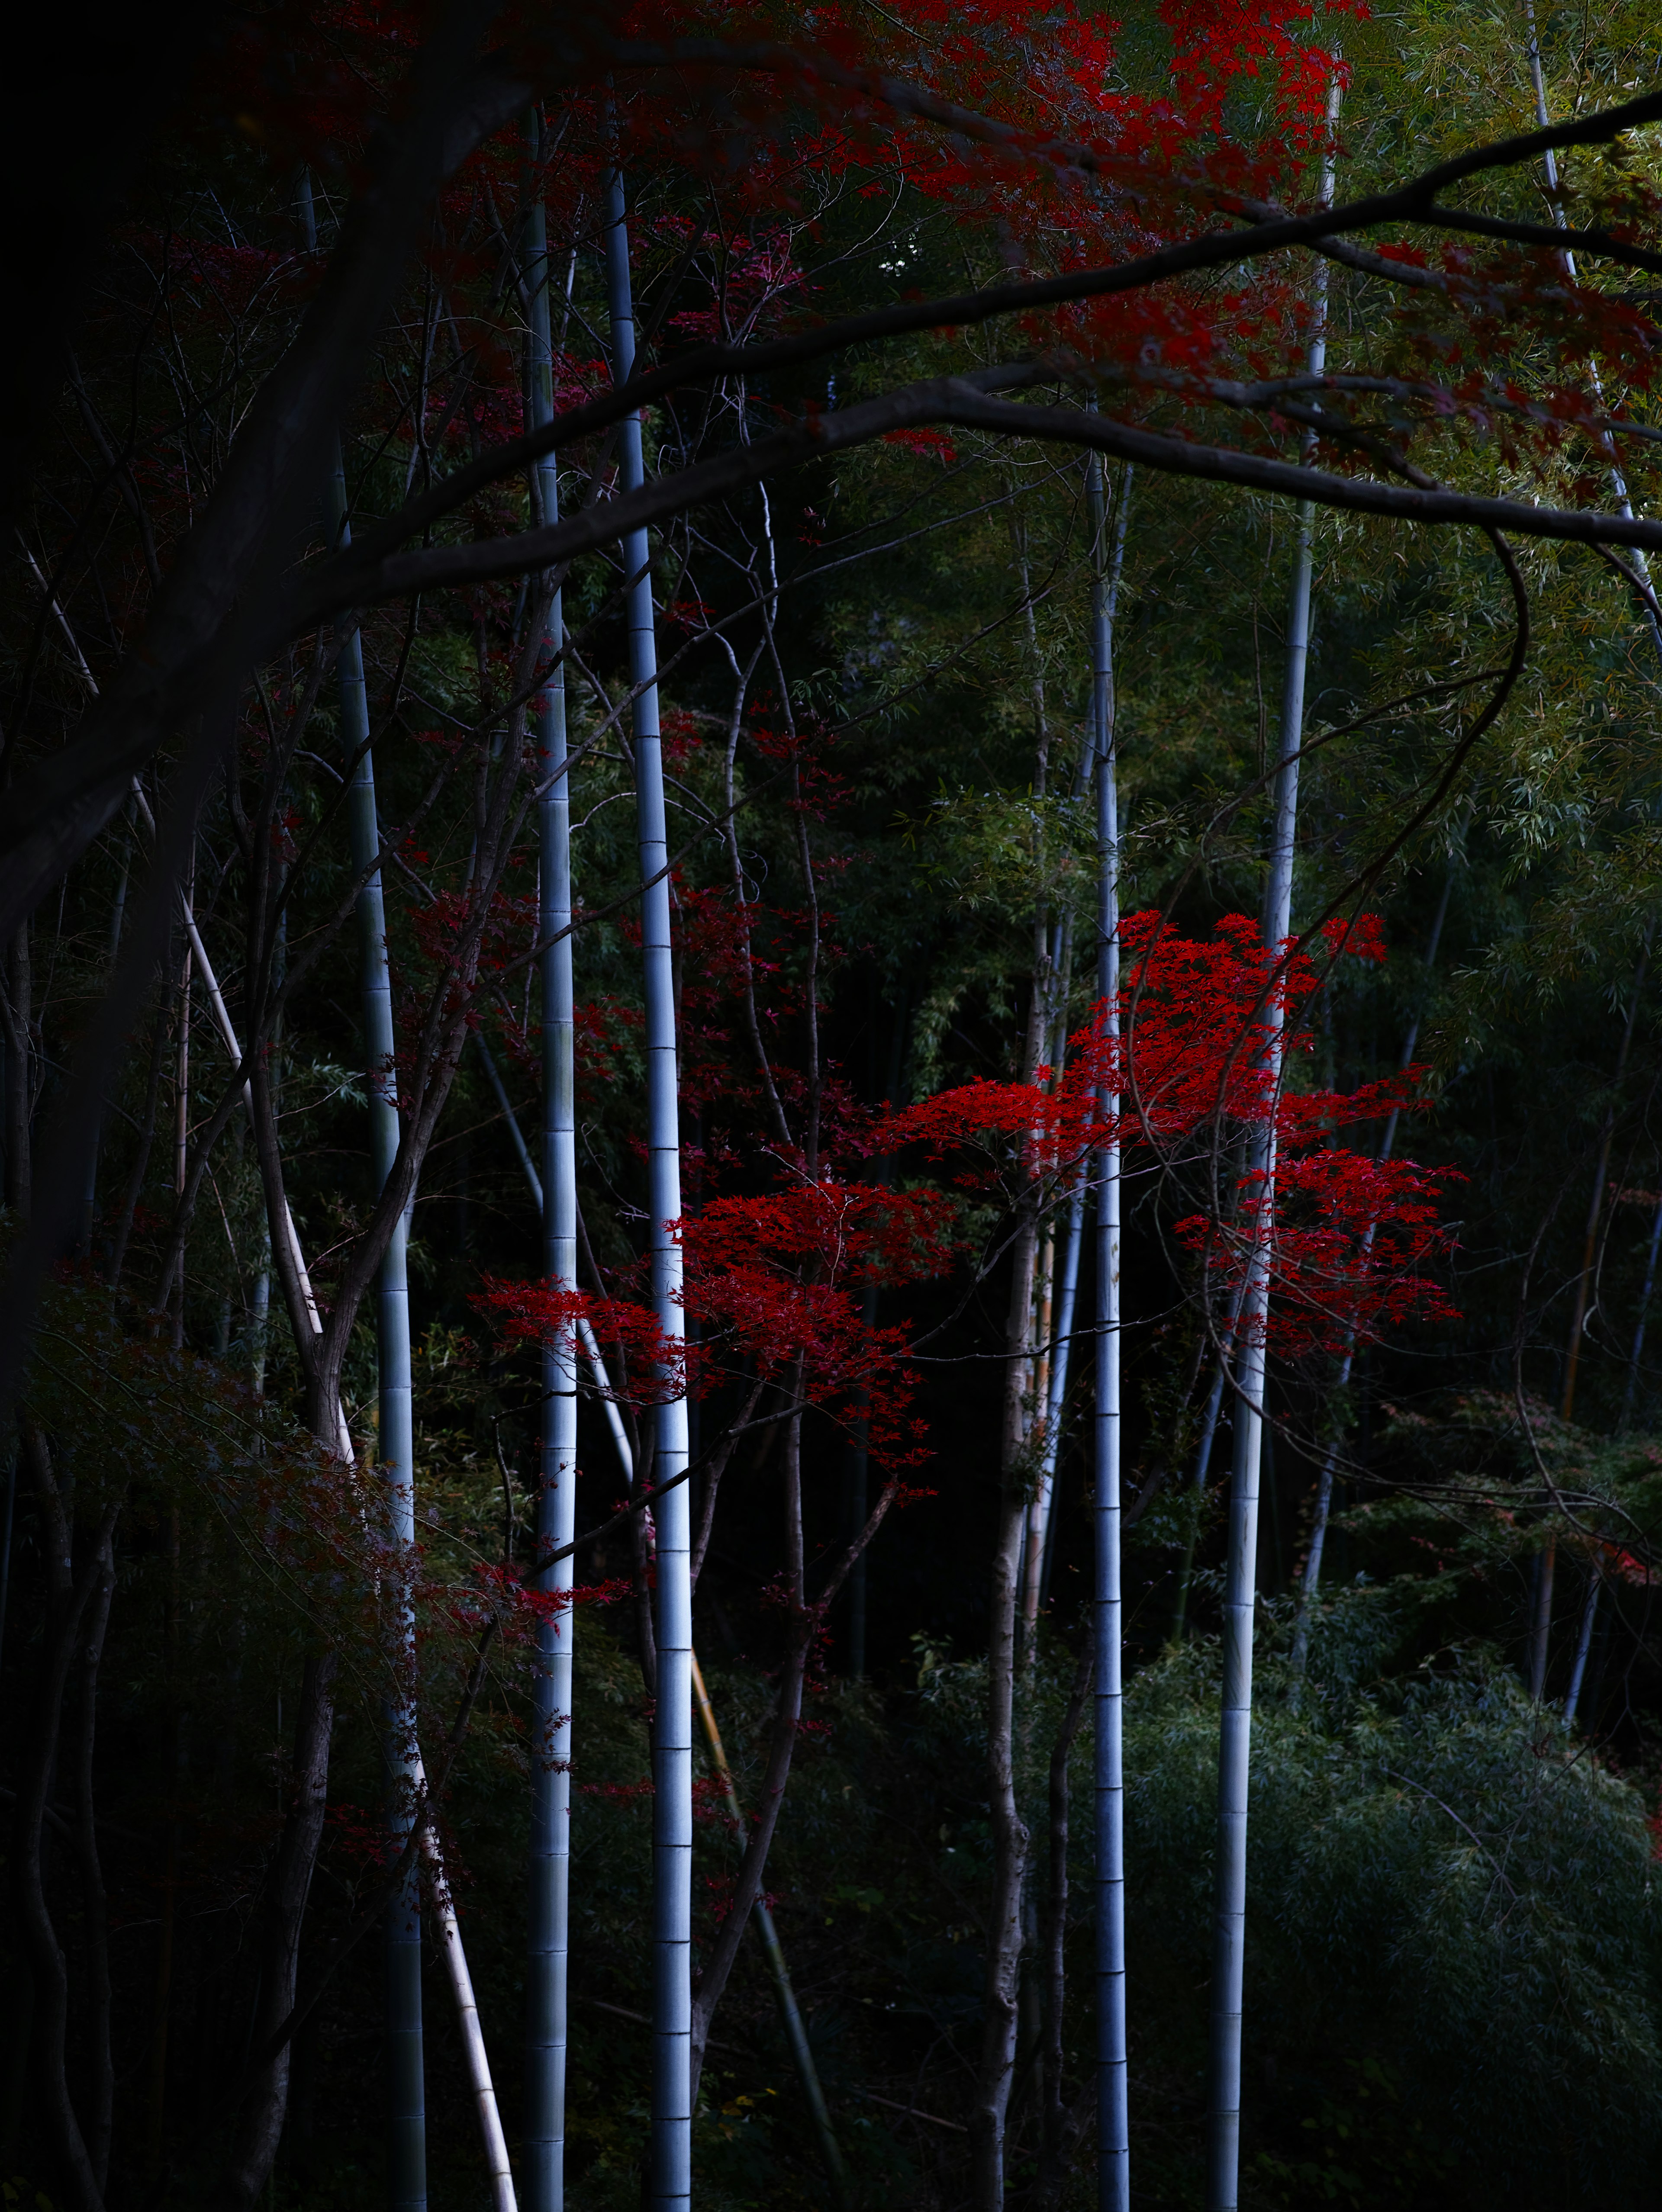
(966, 403)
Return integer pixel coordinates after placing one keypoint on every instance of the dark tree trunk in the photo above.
(71, 1601)
(264, 2106)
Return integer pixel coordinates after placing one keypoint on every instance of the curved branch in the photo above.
(1274, 230)
(968, 402)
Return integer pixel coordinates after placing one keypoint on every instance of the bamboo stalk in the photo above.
(407, 2100)
(672, 1730)
(1108, 1702)
(475, 2058)
(222, 1022)
(406, 2146)
(548, 1941)
(1589, 1613)
(800, 2050)
(1241, 1573)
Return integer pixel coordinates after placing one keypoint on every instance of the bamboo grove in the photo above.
(830, 1065)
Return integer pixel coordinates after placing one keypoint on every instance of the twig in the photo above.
(912, 2113)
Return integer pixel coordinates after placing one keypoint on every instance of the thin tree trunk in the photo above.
(671, 2183)
(1001, 2013)
(804, 1623)
(1634, 1357)
(1549, 168)
(1061, 2127)
(1061, 1362)
(18, 1010)
(1007, 1648)
(182, 1067)
(548, 1940)
(259, 2125)
(1312, 1565)
(406, 2100)
(1113, 2096)
(1241, 1573)
(327, 1421)
(71, 1599)
(790, 2015)
(1203, 1463)
(134, 1191)
(1540, 1638)
(260, 1320)
(1596, 1201)
(100, 2055)
(1583, 1644)
(1055, 1329)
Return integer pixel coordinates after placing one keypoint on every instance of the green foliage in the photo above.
(1454, 1917)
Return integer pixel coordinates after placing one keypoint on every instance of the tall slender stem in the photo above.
(671, 1726)
(1546, 1562)
(549, 1940)
(1042, 1519)
(406, 2087)
(1113, 2099)
(1312, 1565)
(796, 2034)
(1549, 168)
(1637, 1352)
(1583, 1643)
(1240, 1573)
(1203, 1462)
(5, 1542)
(1596, 1200)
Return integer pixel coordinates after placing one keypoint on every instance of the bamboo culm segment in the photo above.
(1240, 1568)
(548, 1944)
(672, 1736)
(407, 2118)
(1113, 2101)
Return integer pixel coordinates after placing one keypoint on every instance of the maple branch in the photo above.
(1363, 496)
(1274, 230)
(202, 633)
(1601, 244)
(968, 401)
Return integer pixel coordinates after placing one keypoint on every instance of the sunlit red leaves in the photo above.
(934, 445)
(775, 1285)
(1352, 1236)
(774, 1281)
(1350, 1243)
(1241, 111)
(645, 1365)
(1192, 1024)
